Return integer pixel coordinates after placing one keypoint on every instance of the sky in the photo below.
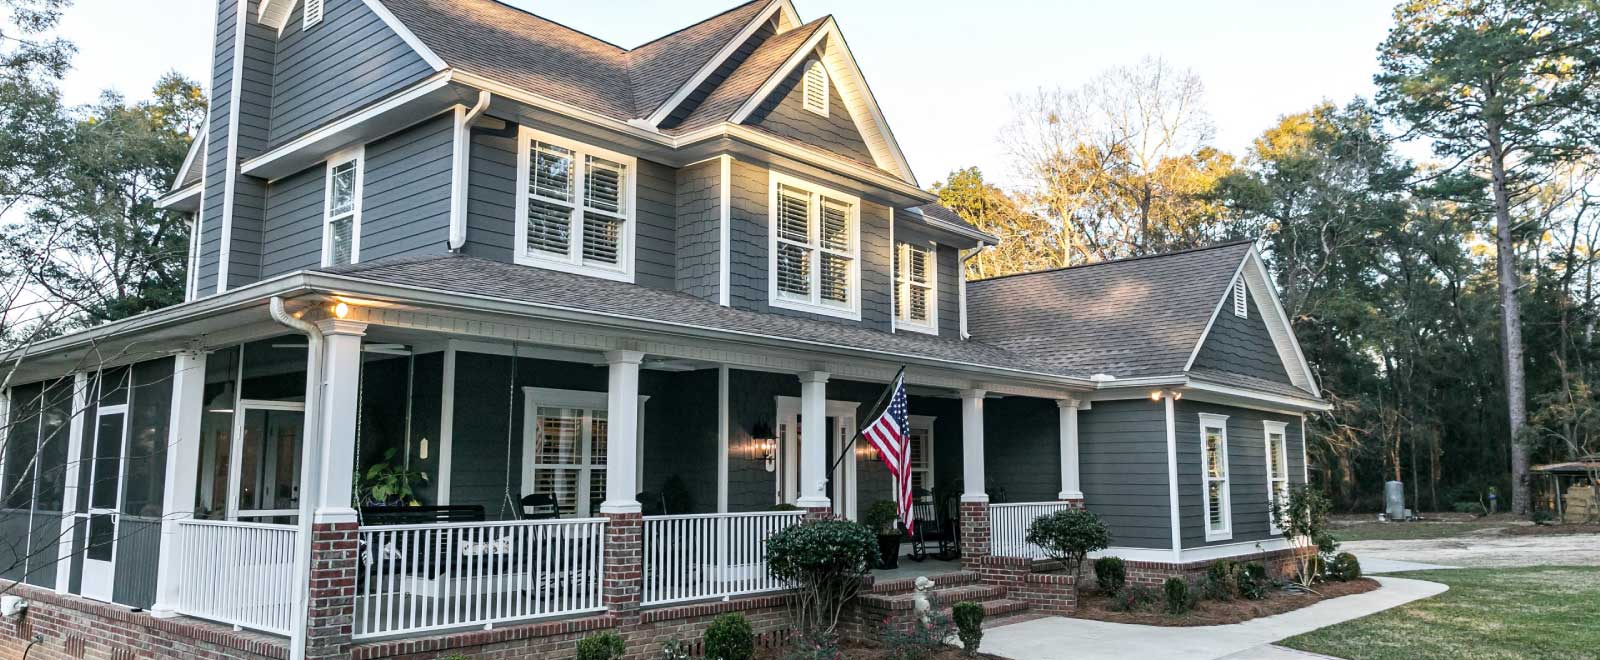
(944, 72)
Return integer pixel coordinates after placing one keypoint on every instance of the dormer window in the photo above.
(915, 298)
(575, 207)
(341, 216)
(313, 14)
(816, 88)
(1241, 304)
(814, 249)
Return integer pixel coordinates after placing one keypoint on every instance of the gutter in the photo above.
(310, 452)
(460, 168)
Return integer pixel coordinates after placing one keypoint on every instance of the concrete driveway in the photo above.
(1079, 639)
(1486, 549)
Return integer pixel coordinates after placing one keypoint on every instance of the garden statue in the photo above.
(920, 603)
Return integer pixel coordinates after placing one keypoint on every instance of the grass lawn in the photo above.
(1535, 612)
(1405, 531)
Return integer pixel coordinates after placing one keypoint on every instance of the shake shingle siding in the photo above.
(1242, 345)
(699, 230)
(1247, 470)
(1022, 449)
(1122, 455)
(293, 227)
(949, 286)
(784, 113)
(405, 208)
(347, 61)
(700, 93)
(655, 261)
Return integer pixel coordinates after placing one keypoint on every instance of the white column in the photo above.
(814, 441)
(972, 446)
(341, 392)
(183, 467)
(722, 439)
(69, 499)
(622, 431)
(1071, 488)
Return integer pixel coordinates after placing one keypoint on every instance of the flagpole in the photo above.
(850, 446)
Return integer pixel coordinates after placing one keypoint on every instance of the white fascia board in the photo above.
(191, 157)
(406, 35)
(315, 146)
(177, 198)
(721, 56)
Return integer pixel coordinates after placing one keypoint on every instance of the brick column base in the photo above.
(819, 513)
(974, 534)
(330, 617)
(622, 585)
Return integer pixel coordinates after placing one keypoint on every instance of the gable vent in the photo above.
(816, 88)
(1241, 308)
(313, 13)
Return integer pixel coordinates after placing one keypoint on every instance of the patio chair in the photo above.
(538, 506)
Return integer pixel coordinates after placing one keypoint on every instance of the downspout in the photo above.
(461, 166)
(961, 286)
(309, 465)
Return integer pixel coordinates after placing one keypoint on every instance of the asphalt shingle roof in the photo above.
(1127, 318)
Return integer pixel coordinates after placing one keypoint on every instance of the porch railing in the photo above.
(416, 578)
(238, 573)
(694, 557)
(1008, 527)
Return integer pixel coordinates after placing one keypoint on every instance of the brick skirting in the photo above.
(75, 628)
(1279, 563)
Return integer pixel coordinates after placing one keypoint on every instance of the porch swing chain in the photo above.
(361, 399)
(511, 414)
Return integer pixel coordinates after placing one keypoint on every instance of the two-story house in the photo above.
(601, 320)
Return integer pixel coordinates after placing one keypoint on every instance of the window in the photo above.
(921, 453)
(915, 299)
(815, 92)
(1277, 469)
(1241, 302)
(341, 217)
(313, 13)
(575, 209)
(814, 248)
(1214, 466)
(564, 447)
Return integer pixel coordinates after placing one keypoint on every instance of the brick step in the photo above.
(941, 597)
(909, 585)
(1001, 608)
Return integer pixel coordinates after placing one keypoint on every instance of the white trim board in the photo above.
(405, 35)
(790, 19)
(1202, 553)
(1259, 283)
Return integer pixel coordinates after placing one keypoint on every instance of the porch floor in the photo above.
(909, 569)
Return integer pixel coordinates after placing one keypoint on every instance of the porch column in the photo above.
(1071, 488)
(69, 500)
(183, 468)
(623, 580)
(974, 499)
(814, 443)
(331, 607)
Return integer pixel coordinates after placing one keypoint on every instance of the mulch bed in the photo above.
(1096, 606)
(864, 651)
(1544, 530)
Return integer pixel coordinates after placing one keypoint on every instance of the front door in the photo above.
(105, 491)
(265, 471)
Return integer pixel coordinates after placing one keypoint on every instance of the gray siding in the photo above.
(137, 561)
(654, 255)
(292, 232)
(698, 96)
(949, 292)
(784, 113)
(492, 196)
(1242, 345)
(1122, 465)
(1247, 470)
(210, 245)
(345, 62)
(699, 254)
(249, 198)
(405, 192)
(1022, 449)
(748, 279)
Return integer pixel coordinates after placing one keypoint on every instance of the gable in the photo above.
(783, 113)
(1242, 345)
(713, 81)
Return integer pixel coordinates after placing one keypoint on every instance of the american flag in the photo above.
(890, 434)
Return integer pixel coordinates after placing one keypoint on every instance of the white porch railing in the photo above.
(695, 557)
(238, 573)
(1008, 527)
(416, 578)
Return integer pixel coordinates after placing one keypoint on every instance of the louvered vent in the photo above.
(1241, 306)
(313, 13)
(816, 88)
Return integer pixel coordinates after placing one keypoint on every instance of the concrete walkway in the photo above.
(1080, 639)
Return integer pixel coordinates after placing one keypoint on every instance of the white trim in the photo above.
(925, 423)
(1225, 507)
(1203, 553)
(790, 454)
(725, 230)
(331, 130)
(1244, 398)
(405, 34)
(230, 171)
(852, 310)
(1175, 522)
(573, 262)
(808, 78)
(191, 277)
(195, 149)
(723, 438)
(177, 197)
(358, 156)
(447, 423)
(588, 401)
(1305, 456)
(69, 496)
(1270, 427)
(661, 113)
(961, 293)
(903, 249)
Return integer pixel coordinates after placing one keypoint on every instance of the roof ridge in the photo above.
(559, 24)
(1122, 260)
(707, 19)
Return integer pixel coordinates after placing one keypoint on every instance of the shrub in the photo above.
(1305, 516)
(1067, 536)
(1344, 567)
(1252, 580)
(920, 642)
(1179, 598)
(601, 646)
(1110, 574)
(823, 561)
(1543, 517)
(1222, 581)
(1468, 506)
(729, 638)
(969, 624)
(881, 518)
(1133, 598)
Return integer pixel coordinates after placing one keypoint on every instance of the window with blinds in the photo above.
(914, 294)
(575, 212)
(1214, 466)
(814, 88)
(341, 234)
(814, 248)
(1277, 470)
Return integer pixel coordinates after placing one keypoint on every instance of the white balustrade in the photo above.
(238, 573)
(1008, 527)
(695, 557)
(446, 575)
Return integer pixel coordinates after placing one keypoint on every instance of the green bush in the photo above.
(1305, 516)
(1179, 598)
(1067, 536)
(1110, 573)
(1543, 517)
(969, 624)
(1133, 598)
(601, 646)
(823, 561)
(920, 642)
(1222, 581)
(1252, 580)
(1468, 506)
(1344, 567)
(881, 518)
(729, 637)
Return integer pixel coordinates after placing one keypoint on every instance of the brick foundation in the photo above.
(74, 628)
(330, 619)
(1279, 563)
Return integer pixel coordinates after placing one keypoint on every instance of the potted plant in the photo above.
(388, 483)
(883, 519)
